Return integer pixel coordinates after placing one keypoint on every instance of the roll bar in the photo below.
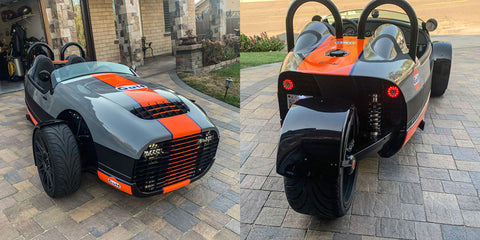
(64, 48)
(38, 45)
(291, 13)
(408, 10)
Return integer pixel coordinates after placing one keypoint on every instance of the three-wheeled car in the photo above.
(137, 136)
(354, 83)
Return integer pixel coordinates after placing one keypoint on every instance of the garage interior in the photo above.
(17, 14)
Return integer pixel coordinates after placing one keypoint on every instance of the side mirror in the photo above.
(431, 25)
(133, 67)
(44, 75)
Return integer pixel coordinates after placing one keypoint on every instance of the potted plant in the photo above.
(189, 39)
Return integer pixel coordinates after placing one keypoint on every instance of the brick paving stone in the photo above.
(170, 232)
(252, 182)
(50, 218)
(190, 207)
(148, 234)
(459, 176)
(362, 225)
(277, 200)
(433, 173)
(181, 219)
(341, 224)
(395, 228)
(134, 226)
(317, 235)
(425, 231)
(192, 235)
(201, 195)
(50, 234)
(413, 212)
(271, 216)
(465, 154)
(436, 161)
(468, 203)
(252, 202)
(450, 232)
(296, 220)
(216, 185)
(387, 205)
(459, 188)
(398, 173)
(233, 226)
(205, 230)
(29, 228)
(364, 203)
(411, 193)
(367, 182)
(225, 234)
(442, 208)
(472, 218)
(267, 232)
(258, 166)
(438, 149)
(212, 217)
(7, 189)
(273, 184)
(475, 179)
(222, 203)
(342, 236)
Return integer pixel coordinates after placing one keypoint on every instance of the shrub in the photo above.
(215, 52)
(262, 43)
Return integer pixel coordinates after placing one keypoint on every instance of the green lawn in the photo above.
(213, 83)
(252, 59)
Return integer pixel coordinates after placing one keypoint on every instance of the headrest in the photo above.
(41, 63)
(72, 59)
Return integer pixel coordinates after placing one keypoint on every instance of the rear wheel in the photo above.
(329, 196)
(440, 77)
(57, 159)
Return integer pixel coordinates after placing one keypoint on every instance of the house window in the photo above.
(166, 16)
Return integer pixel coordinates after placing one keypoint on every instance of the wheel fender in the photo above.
(44, 124)
(311, 138)
(442, 50)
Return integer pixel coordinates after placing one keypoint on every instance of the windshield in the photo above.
(382, 14)
(87, 68)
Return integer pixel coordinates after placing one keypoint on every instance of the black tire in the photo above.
(57, 159)
(329, 196)
(440, 77)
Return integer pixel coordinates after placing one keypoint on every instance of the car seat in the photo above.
(41, 63)
(388, 41)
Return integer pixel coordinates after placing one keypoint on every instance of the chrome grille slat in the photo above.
(180, 159)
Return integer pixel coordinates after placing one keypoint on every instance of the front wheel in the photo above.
(330, 195)
(57, 159)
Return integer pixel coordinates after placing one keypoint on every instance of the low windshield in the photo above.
(87, 68)
(382, 14)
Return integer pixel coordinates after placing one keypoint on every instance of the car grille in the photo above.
(166, 163)
(160, 110)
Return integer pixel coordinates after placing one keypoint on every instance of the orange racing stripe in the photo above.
(317, 62)
(180, 125)
(145, 96)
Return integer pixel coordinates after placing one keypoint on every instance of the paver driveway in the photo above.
(206, 209)
(429, 190)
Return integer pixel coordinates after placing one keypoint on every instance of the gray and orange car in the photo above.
(137, 136)
(354, 84)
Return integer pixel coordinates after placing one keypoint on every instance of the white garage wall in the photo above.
(33, 25)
